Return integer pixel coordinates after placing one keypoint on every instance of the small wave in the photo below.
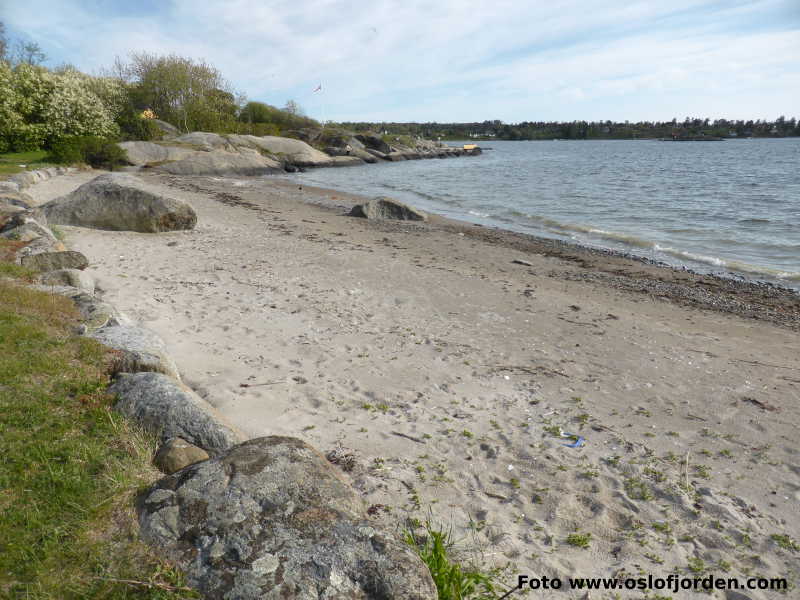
(753, 221)
(475, 213)
(558, 227)
(733, 265)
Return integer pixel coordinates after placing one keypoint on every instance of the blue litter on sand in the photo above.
(578, 443)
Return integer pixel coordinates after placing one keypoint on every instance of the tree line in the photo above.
(585, 130)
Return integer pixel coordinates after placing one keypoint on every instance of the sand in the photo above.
(440, 373)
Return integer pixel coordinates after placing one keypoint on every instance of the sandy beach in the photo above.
(439, 363)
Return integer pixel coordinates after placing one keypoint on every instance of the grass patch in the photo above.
(70, 466)
(11, 161)
(579, 540)
(453, 580)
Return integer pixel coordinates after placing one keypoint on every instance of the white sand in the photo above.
(439, 365)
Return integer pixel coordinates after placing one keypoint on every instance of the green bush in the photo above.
(100, 153)
(133, 127)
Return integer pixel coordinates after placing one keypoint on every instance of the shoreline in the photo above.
(737, 294)
(446, 371)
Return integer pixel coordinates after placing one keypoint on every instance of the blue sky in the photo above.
(455, 60)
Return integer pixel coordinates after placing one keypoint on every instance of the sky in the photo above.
(454, 60)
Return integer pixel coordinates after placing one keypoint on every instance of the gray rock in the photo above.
(70, 277)
(374, 142)
(147, 153)
(140, 350)
(53, 261)
(376, 154)
(13, 198)
(271, 519)
(242, 161)
(9, 186)
(8, 210)
(120, 202)
(386, 208)
(177, 453)
(395, 156)
(23, 228)
(168, 409)
(95, 313)
(24, 179)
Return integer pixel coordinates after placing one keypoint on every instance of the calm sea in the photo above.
(730, 207)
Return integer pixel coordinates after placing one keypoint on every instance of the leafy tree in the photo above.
(192, 95)
(28, 53)
(293, 108)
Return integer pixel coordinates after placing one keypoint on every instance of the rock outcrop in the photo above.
(374, 142)
(120, 202)
(270, 518)
(242, 161)
(168, 409)
(138, 350)
(387, 208)
(296, 152)
(148, 153)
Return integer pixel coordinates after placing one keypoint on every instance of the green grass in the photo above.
(70, 467)
(11, 161)
(453, 580)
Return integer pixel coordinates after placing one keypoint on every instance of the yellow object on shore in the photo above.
(148, 114)
(470, 146)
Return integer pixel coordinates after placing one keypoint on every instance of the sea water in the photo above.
(730, 207)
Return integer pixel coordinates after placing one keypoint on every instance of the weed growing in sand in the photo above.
(654, 558)
(726, 453)
(696, 565)
(309, 427)
(702, 471)
(453, 580)
(579, 540)
(638, 489)
(785, 542)
(468, 434)
(662, 527)
(514, 482)
(553, 430)
(613, 460)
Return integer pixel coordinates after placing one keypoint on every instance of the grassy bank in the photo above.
(11, 163)
(70, 467)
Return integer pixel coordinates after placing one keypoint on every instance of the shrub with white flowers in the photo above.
(38, 107)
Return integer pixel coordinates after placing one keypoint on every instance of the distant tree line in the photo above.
(588, 130)
(44, 108)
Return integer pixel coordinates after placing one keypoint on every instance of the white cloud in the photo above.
(455, 60)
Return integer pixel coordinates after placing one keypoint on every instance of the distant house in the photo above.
(732, 133)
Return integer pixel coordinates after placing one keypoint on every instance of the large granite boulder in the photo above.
(387, 208)
(241, 161)
(373, 142)
(346, 161)
(120, 202)
(271, 519)
(168, 409)
(138, 350)
(148, 153)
